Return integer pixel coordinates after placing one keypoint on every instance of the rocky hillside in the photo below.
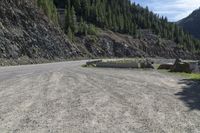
(26, 32)
(192, 23)
(28, 36)
(111, 44)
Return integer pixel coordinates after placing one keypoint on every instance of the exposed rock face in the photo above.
(25, 31)
(109, 44)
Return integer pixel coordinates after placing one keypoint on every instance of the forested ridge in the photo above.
(192, 23)
(82, 16)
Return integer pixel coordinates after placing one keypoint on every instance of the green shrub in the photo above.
(91, 29)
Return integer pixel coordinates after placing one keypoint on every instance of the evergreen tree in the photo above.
(119, 16)
(49, 9)
(81, 26)
(70, 34)
(67, 19)
(73, 24)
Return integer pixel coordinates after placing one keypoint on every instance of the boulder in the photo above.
(166, 66)
(118, 65)
(181, 67)
(186, 66)
(132, 64)
(94, 62)
(147, 64)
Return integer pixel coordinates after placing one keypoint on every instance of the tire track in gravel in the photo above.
(64, 97)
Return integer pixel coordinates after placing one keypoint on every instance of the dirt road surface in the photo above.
(64, 97)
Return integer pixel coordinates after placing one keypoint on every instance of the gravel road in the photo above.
(64, 97)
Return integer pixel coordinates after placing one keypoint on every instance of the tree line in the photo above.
(83, 16)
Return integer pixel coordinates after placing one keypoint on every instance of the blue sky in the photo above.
(174, 10)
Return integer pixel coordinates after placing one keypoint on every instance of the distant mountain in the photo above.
(191, 23)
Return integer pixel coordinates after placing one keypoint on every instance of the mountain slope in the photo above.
(121, 16)
(26, 32)
(27, 35)
(191, 23)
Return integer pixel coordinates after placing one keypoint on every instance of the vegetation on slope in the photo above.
(120, 16)
(49, 9)
(27, 36)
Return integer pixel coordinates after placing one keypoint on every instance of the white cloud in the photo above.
(173, 9)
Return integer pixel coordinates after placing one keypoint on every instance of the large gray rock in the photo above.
(94, 62)
(126, 64)
(116, 65)
(166, 66)
(186, 66)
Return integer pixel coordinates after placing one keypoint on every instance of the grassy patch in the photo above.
(156, 66)
(192, 76)
(195, 76)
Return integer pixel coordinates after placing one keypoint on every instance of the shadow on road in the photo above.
(190, 94)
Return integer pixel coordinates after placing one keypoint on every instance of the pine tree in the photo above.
(70, 34)
(85, 29)
(67, 19)
(73, 24)
(81, 26)
(85, 9)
